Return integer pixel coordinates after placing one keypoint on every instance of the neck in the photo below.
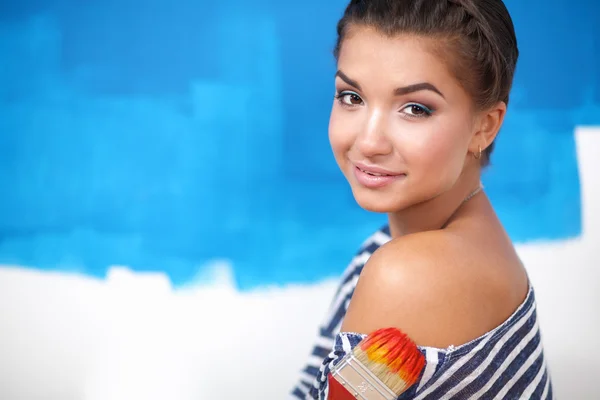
(436, 212)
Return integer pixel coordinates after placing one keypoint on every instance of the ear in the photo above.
(487, 127)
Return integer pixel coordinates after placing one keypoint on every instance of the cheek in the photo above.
(438, 150)
(340, 133)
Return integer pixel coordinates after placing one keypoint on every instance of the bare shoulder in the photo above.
(439, 287)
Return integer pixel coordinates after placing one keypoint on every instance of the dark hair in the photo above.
(478, 39)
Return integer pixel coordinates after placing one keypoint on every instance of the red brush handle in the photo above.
(337, 391)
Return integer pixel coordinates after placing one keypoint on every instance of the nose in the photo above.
(373, 141)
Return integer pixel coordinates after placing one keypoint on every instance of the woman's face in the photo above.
(401, 123)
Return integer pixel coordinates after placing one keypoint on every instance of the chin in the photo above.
(378, 201)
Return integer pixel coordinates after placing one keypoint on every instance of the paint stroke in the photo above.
(174, 140)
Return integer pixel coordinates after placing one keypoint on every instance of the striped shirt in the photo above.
(505, 363)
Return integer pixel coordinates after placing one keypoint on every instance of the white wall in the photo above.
(134, 337)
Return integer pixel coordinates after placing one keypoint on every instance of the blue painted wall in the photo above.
(160, 135)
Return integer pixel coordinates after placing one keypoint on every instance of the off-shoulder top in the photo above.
(505, 363)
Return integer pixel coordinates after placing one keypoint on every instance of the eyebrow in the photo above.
(397, 92)
(417, 87)
(349, 81)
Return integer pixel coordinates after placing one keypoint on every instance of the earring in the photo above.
(478, 154)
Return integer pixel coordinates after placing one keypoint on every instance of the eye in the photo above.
(349, 99)
(417, 110)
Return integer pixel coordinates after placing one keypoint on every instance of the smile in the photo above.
(374, 177)
(373, 173)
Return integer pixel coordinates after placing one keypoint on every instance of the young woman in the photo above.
(421, 91)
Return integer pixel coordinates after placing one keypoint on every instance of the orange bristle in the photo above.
(393, 357)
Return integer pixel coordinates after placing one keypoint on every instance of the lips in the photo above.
(375, 171)
(375, 177)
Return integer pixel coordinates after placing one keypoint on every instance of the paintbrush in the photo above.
(381, 367)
